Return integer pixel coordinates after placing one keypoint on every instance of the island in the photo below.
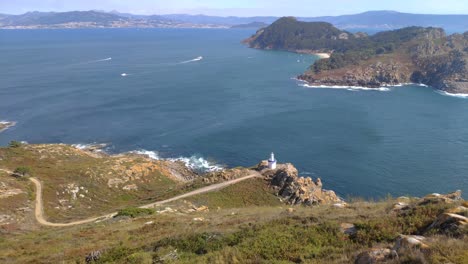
(422, 55)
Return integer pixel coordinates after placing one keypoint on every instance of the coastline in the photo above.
(194, 163)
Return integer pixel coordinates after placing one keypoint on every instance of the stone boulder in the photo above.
(441, 198)
(294, 189)
(405, 243)
(348, 229)
(449, 223)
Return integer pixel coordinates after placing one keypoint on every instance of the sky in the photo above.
(308, 8)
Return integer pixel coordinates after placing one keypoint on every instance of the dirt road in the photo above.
(39, 208)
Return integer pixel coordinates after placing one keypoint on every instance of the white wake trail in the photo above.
(199, 58)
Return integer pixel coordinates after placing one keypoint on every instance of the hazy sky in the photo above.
(240, 7)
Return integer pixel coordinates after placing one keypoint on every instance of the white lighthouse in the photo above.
(272, 161)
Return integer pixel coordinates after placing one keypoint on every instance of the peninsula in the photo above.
(408, 55)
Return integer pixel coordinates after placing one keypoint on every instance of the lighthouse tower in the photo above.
(272, 161)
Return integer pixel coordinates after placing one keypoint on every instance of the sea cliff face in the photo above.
(409, 55)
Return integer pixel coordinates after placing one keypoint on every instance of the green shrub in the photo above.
(15, 144)
(116, 254)
(280, 240)
(23, 171)
(135, 211)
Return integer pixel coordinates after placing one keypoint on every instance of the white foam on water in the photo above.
(151, 154)
(4, 122)
(349, 88)
(195, 163)
(458, 95)
(7, 124)
(198, 164)
(97, 147)
(124, 74)
(199, 58)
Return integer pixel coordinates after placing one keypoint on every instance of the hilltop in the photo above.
(271, 215)
(413, 54)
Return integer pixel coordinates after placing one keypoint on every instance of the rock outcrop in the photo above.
(376, 74)
(294, 189)
(404, 243)
(453, 224)
(441, 198)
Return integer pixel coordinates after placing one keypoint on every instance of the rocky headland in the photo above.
(409, 55)
(293, 189)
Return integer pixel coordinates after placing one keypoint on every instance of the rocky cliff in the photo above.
(294, 189)
(408, 55)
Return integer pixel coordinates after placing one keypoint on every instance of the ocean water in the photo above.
(200, 95)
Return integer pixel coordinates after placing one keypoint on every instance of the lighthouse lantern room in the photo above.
(272, 162)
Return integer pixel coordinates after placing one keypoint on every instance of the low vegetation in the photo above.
(135, 212)
(23, 171)
(242, 223)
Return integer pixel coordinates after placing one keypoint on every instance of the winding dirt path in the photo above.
(39, 207)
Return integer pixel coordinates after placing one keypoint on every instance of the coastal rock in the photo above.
(405, 243)
(375, 255)
(373, 75)
(441, 198)
(294, 189)
(224, 175)
(449, 223)
(348, 229)
(400, 206)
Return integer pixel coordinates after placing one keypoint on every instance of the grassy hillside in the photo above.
(242, 223)
(249, 234)
(78, 184)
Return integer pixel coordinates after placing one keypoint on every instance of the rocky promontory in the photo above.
(294, 189)
(409, 55)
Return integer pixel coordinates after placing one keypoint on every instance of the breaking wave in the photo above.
(198, 164)
(459, 95)
(7, 124)
(194, 162)
(199, 58)
(151, 154)
(94, 147)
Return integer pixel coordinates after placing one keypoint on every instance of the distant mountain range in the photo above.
(371, 21)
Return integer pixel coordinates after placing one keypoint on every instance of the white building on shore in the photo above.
(272, 161)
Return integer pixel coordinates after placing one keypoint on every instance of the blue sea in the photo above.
(202, 95)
